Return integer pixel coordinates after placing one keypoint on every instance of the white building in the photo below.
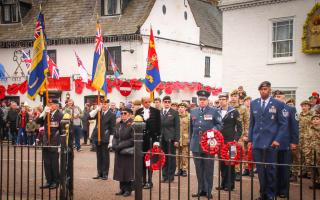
(188, 40)
(262, 41)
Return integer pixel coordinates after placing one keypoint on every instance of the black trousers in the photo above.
(85, 136)
(227, 175)
(170, 164)
(103, 159)
(283, 173)
(126, 186)
(50, 158)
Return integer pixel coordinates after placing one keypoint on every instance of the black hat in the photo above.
(277, 92)
(264, 84)
(224, 94)
(128, 110)
(104, 100)
(166, 98)
(203, 94)
(54, 101)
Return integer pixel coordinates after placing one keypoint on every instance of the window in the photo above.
(289, 93)
(282, 38)
(207, 67)
(53, 55)
(111, 7)
(115, 53)
(9, 11)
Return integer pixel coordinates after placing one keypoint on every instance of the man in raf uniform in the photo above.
(267, 130)
(170, 136)
(290, 142)
(107, 129)
(202, 119)
(50, 155)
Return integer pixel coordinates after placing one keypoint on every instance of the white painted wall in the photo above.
(246, 48)
(177, 61)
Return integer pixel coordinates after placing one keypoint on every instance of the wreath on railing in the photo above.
(210, 141)
(234, 156)
(155, 158)
(249, 157)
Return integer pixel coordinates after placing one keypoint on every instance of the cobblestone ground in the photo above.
(87, 188)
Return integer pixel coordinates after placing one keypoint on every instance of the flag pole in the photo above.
(99, 136)
(151, 96)
(48, 114)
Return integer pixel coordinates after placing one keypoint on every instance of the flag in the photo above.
(53, 68)
(26, 59)
(99, 71)
(39, 65)
(2, 72)
(113, 65)
(152, 79)
(83, 72)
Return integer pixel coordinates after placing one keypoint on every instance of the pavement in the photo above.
(28, 174)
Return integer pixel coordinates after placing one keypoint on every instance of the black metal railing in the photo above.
(22, 172)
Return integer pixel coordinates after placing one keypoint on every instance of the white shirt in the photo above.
(223, 113)
(146, 114)
(267, 101)
(165, 111)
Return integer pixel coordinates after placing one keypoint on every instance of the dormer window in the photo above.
(10, 12)
(111, 7)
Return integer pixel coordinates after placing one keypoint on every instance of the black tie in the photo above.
(201, 109)
(165, 112)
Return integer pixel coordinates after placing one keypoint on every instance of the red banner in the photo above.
(63, 83)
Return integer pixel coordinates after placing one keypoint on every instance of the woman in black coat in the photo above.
(122, 144)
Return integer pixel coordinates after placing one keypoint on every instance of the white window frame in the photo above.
(287, 89)
(281, 60)
(105, 9)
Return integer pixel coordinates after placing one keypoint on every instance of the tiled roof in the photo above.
(77, 18)
(209, 18)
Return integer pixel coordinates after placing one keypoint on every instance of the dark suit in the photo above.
(107, 128)
(231, 131)
(170, 133)
(152, 132)
(51, 155)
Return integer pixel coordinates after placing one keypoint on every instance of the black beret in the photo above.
(277, 92)
(264, 84)
(166, 98)
(203, 94)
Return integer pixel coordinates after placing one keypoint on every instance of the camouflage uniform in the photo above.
(244, 118)
(184, 142)
(304, 125)
(314, 133)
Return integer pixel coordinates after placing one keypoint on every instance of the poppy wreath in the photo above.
(210, 141)
(155, 158)
(2, 92)
(249, 157)
(226, 155)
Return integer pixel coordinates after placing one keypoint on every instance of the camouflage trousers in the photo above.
(182, 161)
(295, 155)
(244, 145)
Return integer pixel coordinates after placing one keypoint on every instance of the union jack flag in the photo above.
(53, 68)
(39, 26)
(99, 41)
(26, 59)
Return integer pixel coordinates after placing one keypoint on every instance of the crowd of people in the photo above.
(269, 123)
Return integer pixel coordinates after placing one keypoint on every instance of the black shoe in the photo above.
(126, 194)
(199, 194)
(96, 177)
(148, 186)
(178, 173)
(238, 176)
(316, 186)
(246, 172)
(104, 177)
(227, 189)
(293, 179)
(282, 196)
(53, 186)
(121, 192)
(184, 174)
(209, 196)
(219, 188)
(45, 186)
(164, 180)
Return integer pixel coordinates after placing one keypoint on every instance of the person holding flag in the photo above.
(106, 120)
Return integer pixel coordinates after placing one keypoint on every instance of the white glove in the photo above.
(110, 141)
(44, 112)
(94, 112)
(98, 108)
(47, 109)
